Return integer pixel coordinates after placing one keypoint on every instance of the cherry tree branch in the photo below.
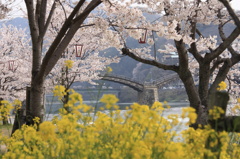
(87, 10)
(235, 33)
(231, 12)
(68, 30)
(224, 45)
(182, 54)
(127, 52)
(114, 28)
(193, 47)
(222, 74)
(223, 36)
(216, 64)
(42, 16)
(223, 71)
(199, 33)
(45, 27)
(31, 19)
(59, 38)
(64, 11)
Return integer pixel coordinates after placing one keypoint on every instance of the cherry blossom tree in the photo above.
(212, 57)
(233, 75)
(15, 63)
(5, 8)
(83, 51)
(70, 69)
(81, 60)
(114, 21)
(40, 16)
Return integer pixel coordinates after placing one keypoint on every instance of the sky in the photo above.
(20, 3)
(236, 4)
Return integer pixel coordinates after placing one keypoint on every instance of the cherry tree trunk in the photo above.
(193, 97)
(36, 105)
(204, 78)
(191, 89)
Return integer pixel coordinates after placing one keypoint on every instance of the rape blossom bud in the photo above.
(59, 91)
(68, 64)
(222, 86)
(109, 69)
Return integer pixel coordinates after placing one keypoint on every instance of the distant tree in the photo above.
(5, 8)
(14, 65)
(15, 62)
(231, 12)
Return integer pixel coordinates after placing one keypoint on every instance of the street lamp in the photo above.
(79, 49)
(11, 66)
(142, 40)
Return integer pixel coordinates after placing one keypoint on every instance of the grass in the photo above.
(6, 130)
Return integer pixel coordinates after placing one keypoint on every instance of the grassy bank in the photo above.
(6, 129)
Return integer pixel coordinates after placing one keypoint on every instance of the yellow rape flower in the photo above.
(235, 109)
(109, 100)
(238, 100)
(47, 130)
(108, 69)
(76, 97)
(17, 103)
(5, 109)
(59, 91)
(68, 63)
(36, 120)
(222, 86)
(216, 112)
(190, 113)
(137, 133)
(192, 117)
(157, 106)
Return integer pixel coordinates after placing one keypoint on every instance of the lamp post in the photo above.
(11, 65)
(79, 49)
(142, 40)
